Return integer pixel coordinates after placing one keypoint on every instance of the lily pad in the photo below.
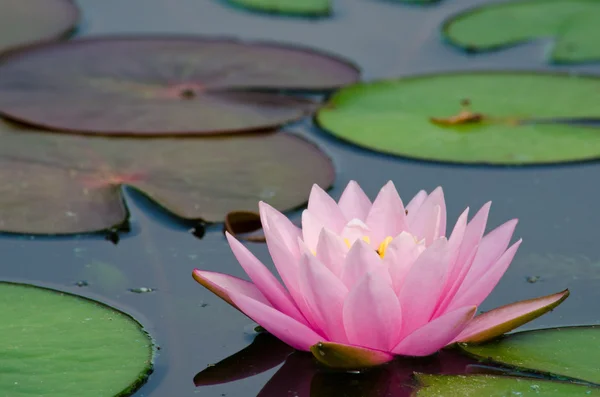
(485, 117)
(64, 184)
(311, 8)
(24, 22)
(572, 23)
(164, 85)
(56, 344)
(497, 386)
(567, 352)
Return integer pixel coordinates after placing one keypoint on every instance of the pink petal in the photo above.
(372, 315)
(324, 293)
(311, 229)
(354, 203)
(348, 357)
(331, 251)
(356, 230)
(429, 221)
(322, 206)
(490, 249)
(474, 232)
(414, 205)
(400, 256)
(436, 334)
(360, 260)
(277, 225)
(264, 280)
(387, 215)
(474, 294)
(504, 319)
(421, 291)
(224, 285)
(285, 328)
(449, 295)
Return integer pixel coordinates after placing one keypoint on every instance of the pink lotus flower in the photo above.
(367, 281)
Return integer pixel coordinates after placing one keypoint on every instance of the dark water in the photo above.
(558, 206)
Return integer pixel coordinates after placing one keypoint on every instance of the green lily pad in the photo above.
(567, 352)
(497, 386)
(311, 8)
(56, 344)
(485, 117)
(165, 85)
(25, 22)
(572, 23)
(65, 184)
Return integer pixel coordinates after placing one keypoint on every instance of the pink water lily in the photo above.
(363, 282)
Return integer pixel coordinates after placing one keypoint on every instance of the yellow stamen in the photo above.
(366, 239)
(383, 246)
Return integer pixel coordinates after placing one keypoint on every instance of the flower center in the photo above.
(383, 246)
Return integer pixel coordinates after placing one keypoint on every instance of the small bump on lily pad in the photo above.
(25, 22)
(570, 352)
(502, 118)
(165, 85)
(66, 184)
(82, 347)
(572, 23)
(488, 385)
(305, 8)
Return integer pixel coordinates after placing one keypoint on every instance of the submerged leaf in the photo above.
(61, 184)
(510, 119)
(25, 22)
(165, 85)
(567, 352)
(56, 344)
(310, 8)
(572, 23)
(487, 385)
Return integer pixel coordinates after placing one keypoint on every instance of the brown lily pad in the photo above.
(164, 85)
(64, 184)
(24, 22)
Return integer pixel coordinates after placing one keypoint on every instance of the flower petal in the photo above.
(356, 230)
(264, 280)
(277, 225)
(429, 221)
(491, 247)
(413, 206)
(400, 256)
(436, 334)
(348, 357)
(311, 229)
(360, 260)
(504, 319)
(354, 203)
(474, 294)
(224, 285)
(322, 206)
(324, 294)
(331, 251)
(285, 328)
(387, 216)
(421, 291)
(372, 315)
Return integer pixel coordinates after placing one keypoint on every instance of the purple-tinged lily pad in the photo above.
(24, 22)
(64, 184)
(165, 85)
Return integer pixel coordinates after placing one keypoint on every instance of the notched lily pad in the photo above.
(308, 8)
(63, 184)
(56, 344)
(565, 352)
(165, 85)
(478, 118)
(25, 22)
(572, 23)
(488, 385)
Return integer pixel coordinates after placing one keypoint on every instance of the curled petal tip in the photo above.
(347, 357)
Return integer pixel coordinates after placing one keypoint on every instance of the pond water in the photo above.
(557, 205)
